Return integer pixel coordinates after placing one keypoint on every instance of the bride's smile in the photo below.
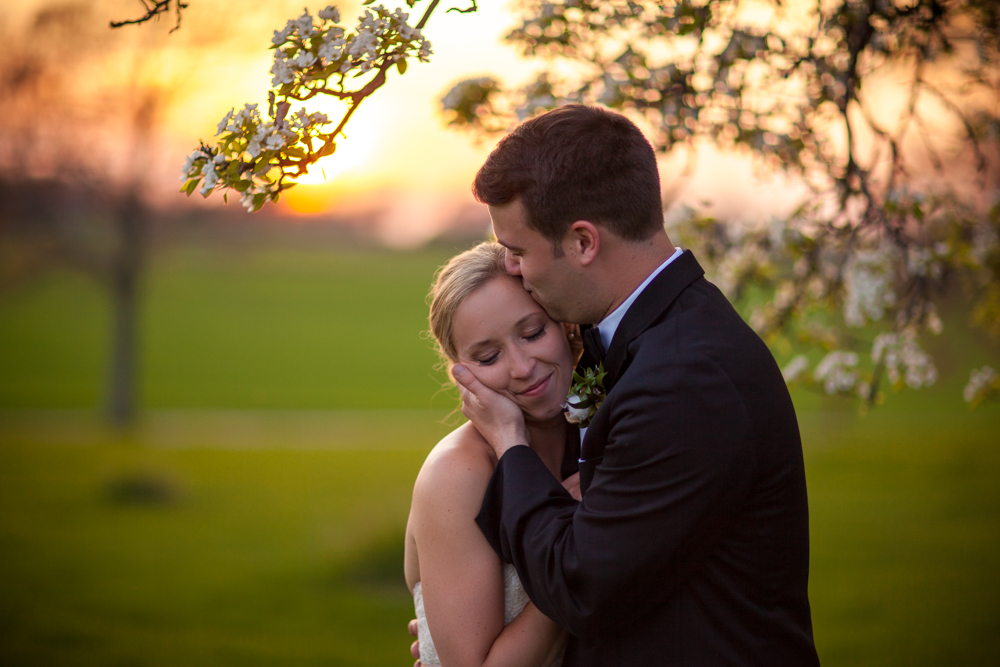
(512, 346)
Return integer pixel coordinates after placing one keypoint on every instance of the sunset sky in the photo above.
(398, 166)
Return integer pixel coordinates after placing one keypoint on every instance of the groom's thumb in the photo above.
(464, 377)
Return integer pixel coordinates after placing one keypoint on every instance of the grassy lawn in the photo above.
(255, 515)
(229, 329)
(291, 556)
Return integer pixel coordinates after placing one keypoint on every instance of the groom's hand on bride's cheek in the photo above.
(495, 416)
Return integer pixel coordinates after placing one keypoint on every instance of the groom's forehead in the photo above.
(511, 228)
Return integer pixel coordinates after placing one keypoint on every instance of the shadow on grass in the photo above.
(144, 488)
(377, 568)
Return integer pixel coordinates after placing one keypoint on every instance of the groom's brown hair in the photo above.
(576, 163)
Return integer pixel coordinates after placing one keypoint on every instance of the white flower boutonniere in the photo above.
(585, 396)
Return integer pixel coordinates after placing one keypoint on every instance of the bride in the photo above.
(471, 608)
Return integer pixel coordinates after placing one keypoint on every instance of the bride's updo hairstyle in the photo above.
(455, 281)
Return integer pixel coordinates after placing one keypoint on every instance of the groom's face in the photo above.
(552, 281)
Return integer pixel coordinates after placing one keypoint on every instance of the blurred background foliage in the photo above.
(246, 502)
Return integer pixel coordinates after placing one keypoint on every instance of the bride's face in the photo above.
(510, 344)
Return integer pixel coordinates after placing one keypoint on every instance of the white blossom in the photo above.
(981, 381)
(274, 141)
(246, 199)
(281, 36)
(425, 51)
(903, 358)
(794, 368)
(224, 123)
(281, 71)
(211, 178)
(331, 51)
(363, 44)
(867, 286)
(189, 164)
(836, 371)
(934, 323)
(253, 147)
(921, 262)
(575, 415)
(409, 33)
(331, 13)
(305, 60)
(304, 25)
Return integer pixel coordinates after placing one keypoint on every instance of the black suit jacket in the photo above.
(691, 544)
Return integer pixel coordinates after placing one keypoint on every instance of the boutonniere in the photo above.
(585, 396)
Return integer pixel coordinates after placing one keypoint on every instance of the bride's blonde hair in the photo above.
(454, 282)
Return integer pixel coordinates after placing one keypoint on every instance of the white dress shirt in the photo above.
(609, 325)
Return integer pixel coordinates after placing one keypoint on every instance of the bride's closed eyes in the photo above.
(532, 331)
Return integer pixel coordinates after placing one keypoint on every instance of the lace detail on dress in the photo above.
(515, 599)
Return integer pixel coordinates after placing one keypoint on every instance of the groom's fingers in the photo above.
(465, 378)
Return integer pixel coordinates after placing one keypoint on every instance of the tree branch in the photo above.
(153, 11)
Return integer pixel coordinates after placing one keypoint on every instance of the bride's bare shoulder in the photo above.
(462, 462)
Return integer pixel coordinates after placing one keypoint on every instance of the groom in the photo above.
(690, 545)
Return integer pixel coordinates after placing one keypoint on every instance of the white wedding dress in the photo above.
(515, 599)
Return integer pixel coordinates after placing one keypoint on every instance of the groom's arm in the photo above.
(678, 461)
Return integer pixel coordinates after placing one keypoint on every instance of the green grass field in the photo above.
(255, 514)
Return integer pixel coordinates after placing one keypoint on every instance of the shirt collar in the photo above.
(609, 325)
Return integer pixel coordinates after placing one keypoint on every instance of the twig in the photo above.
(467, 10)
(153, 11)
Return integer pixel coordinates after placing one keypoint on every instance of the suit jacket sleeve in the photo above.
(674, 467)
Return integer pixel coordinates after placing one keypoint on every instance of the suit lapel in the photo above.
(647, 308)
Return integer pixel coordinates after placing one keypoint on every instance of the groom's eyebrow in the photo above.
(510, 247)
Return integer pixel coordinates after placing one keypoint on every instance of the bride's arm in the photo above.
(462, 577)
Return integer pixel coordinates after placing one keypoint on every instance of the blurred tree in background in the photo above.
(74, 153)
(887, 111)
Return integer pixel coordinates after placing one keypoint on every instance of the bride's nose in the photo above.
(521, 364)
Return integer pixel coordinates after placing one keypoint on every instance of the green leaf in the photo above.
(401, 66)
(328, 149)
(258, 200)
(242, 185)
(190, 187)
(225, 198)
(295, 151)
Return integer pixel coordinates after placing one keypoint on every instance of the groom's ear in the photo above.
(584, 240)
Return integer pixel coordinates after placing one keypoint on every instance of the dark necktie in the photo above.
(593, 348)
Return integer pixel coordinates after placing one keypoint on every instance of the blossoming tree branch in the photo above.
(260, 157)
